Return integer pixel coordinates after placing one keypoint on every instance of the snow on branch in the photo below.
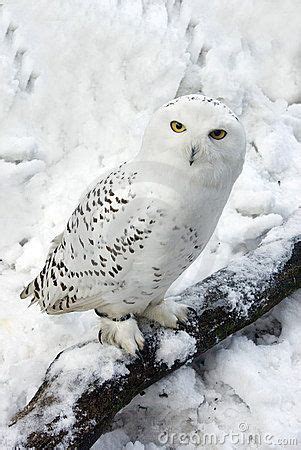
(87, 384)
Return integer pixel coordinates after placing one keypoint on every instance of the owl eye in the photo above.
(177, 127)
(218, 134)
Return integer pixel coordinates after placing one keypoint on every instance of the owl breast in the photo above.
(174, 239)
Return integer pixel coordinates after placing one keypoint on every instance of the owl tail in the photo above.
(29, 290)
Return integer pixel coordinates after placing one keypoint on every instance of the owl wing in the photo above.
(98, 247)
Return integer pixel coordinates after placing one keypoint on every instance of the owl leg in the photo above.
(167, 313)
(122, 332)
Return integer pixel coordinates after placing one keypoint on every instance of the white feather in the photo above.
(144, 222)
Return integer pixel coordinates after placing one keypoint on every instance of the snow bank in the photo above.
(78, 82)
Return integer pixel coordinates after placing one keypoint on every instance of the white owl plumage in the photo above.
(143, 223)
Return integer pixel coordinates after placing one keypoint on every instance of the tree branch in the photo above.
(87, 384)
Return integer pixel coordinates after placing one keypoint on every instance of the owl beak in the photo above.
(194, 151)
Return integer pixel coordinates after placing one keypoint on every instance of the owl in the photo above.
(144, 222)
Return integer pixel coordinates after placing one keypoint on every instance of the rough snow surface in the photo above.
(173, 347)
(78, 83)
(97, 364)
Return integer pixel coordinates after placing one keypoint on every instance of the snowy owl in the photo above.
(144, 222)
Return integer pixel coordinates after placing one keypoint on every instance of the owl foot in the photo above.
(168, 313)
(124, 334)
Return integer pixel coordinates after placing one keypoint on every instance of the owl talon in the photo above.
(182, 322)
(139, 355)
(124, 334)
(168, 313)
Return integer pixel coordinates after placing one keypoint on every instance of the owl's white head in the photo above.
(196, 133)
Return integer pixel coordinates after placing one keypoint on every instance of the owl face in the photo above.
(195, 131)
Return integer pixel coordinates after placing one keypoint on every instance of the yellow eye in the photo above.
(177, 127)
(218, 134)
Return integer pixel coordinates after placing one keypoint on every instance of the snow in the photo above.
(78, 83)
(258, 267)
(175, 347)
(98, 364)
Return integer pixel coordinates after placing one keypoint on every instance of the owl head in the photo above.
(196, 133)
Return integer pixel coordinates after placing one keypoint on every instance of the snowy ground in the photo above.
(78, 83)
